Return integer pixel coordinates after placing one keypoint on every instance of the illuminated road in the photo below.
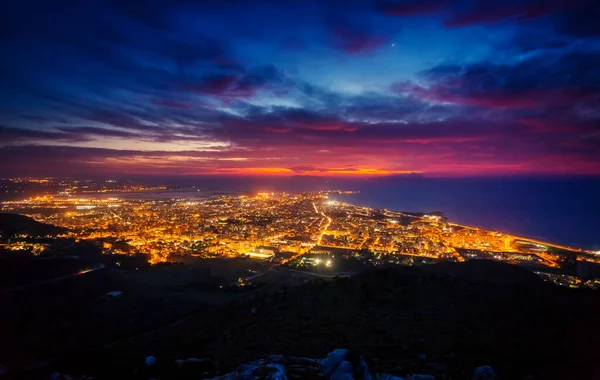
(322, 275)
(324, 229)
(514, 237)
(418, 255)
(549, 259)
(262, 273)
(547, 244)
(116, 216)
(457, 255)
(326, 225)
(81, 272)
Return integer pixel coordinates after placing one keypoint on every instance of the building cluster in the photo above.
(220, 226)
(18, 186)
(268, 223)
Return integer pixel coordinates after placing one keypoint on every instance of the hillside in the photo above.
(14, 225)
(440, 319)
(443, 320)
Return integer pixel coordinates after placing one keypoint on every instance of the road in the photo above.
(259, 274)
(515, 237)
(326, 225)
(348, 274)
(548, 259)
(81, 272)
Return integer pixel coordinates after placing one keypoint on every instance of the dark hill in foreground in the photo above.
(14, 224)
(443, 319)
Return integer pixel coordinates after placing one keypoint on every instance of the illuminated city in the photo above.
(300, 189)
(293, 228)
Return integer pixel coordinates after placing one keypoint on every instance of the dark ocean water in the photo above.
(562, 210)
(555, 210)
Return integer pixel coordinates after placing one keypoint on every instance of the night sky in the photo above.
(311, 87)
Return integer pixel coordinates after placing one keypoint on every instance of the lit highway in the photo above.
(329, 220)
(81, 272)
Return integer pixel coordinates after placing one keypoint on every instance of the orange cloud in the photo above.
(316, 172)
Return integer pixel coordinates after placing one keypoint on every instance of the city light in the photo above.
(261, 226)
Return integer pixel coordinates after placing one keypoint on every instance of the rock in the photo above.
(344, 367)
(269, 372)
(332, 361)
(342, 376)
(340, 363)
(360, 368)
(387, 376)
(199, 364)
(303, 372)
(274, 359)
(420, 377)
(257, 370)
(303, 360)
(298, 368)
(363, 372)
(150, 361)
(484, 373)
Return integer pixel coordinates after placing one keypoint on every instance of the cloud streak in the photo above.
(384, 88)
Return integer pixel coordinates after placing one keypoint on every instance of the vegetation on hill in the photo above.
(444, 319)
(13, 225)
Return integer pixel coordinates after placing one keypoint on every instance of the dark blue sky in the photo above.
(443, 88)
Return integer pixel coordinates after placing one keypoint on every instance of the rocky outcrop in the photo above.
(340, 364)
(484, 373)
(255, 371)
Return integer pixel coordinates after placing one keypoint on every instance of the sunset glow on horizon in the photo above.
(315, 88)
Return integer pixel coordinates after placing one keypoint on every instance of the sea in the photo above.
(560, 210)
